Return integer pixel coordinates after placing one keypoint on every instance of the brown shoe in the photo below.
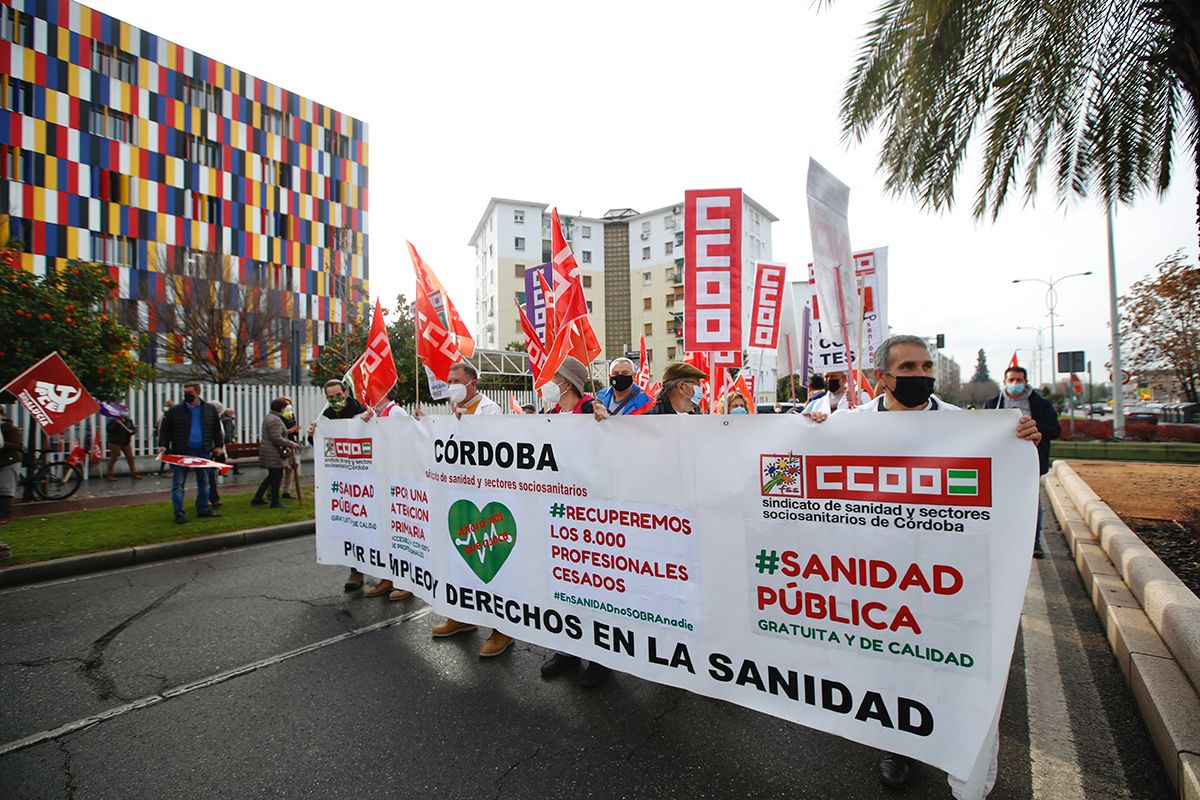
(451, 627)
(381, 588)
(399, 594)
(496, 644)
(136, 477)
(110, 477)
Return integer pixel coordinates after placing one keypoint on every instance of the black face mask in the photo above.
(912, 391)
(189, 398)
(620, 382)
(833, 385)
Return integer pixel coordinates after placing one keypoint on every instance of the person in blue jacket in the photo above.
(1018, 394)
(622, 396)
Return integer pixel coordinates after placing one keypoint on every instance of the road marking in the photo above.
(148, 565)
(1054, 761)
(202, 683)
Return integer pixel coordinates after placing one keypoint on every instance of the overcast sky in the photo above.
(627, 104)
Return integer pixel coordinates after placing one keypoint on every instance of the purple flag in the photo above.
(111, 409)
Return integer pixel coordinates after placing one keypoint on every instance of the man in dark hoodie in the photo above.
(1017, 393)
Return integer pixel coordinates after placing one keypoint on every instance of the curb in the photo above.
(1151, 619)
(143, 554)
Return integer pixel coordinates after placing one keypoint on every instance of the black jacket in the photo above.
(663, 406)
(1046, 417)
(120, 432)
(12, 449)
(177, 424)
(352, 409)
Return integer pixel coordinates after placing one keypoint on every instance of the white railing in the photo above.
(251, 404)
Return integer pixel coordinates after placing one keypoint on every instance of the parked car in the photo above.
(1098, 409)
(1142, 414)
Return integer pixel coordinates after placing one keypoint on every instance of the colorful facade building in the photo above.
(180, 174)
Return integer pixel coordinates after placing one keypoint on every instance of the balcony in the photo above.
(675, 277)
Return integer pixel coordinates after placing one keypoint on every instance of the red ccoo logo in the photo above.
(900, 479)
(352, 448)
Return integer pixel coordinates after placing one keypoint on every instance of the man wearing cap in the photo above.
(681, 391)
(566, 392)
(622, 396)
(904, 368)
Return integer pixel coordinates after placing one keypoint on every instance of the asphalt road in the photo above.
(248, 674)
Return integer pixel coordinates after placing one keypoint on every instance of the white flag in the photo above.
(833, 264)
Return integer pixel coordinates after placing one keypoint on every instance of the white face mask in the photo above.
(551, 393)
(458, 393)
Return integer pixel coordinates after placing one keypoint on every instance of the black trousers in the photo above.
(271, 484)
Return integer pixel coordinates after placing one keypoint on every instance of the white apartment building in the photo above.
(515, 234)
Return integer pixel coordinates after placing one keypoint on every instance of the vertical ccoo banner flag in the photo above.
(712, 309)
(768, 300)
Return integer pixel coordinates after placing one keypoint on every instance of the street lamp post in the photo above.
(1051, 303)
(1040, 341)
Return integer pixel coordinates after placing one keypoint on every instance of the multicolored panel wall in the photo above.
(122, 148)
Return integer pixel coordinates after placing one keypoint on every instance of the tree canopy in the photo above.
(1097, 92)
(68, 310)
(1161, 319)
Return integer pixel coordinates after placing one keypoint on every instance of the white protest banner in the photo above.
(862, 577)
(826, 353)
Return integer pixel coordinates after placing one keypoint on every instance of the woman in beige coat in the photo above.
(274, 452)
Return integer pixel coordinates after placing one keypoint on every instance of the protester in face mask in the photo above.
(835, 398)
(465, 398)
(121, 431)
(816, 390)
(905, 380)
(274, 454)
(736, 404)
(1019, 394)
(622, 396)
(681, 391)
(191, 428)
(339, 405)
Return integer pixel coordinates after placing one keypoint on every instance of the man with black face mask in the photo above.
(904, 368)
(622, 396)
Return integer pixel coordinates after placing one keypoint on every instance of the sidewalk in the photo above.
(153, 488)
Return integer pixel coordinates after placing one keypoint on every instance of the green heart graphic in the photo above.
(483, 538)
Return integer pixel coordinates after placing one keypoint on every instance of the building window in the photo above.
(646, 226)
(17, 95)
(679, 240)
(669, 221)
(518, 216)
(587, 281)
(113, 124)
(202, 94)
(517, 326)
(646, 303)
(645, 253)
(113, 62)
(650, 355)
(585, 231)
(671, 353)
(648, 329)
(646, 277)
(15, 26)
(114, 251)
(519, 271)
(207, 152)
(587, 256)
(668, 248)
(15, 164)
(518, 242)
(337, 144)
(589, 306)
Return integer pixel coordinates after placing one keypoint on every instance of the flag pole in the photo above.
(416, 361)
(851, 384)
(862, 319)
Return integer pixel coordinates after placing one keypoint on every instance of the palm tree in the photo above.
(1098, 91)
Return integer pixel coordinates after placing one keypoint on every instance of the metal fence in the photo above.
(251, 404)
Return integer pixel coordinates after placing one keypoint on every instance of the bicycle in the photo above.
(50, 480)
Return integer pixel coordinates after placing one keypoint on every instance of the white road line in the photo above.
(202, 683)
(1054, 760)
(149, 565)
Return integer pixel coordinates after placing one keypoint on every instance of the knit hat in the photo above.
(573, 372)
(681, 371)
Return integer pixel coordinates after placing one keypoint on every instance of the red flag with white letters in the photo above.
(438, 342)
(52, 394)
(438, 298)
(375, 371)
(643, 374)
(570, 305)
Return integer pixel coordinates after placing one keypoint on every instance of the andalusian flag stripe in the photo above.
(962, 481)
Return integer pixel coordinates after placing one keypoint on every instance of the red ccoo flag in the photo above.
(438, 296)
(642, 378)
(52, 395)
(439, 344)
(375, 371)
(534, 347)
(570, 305)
